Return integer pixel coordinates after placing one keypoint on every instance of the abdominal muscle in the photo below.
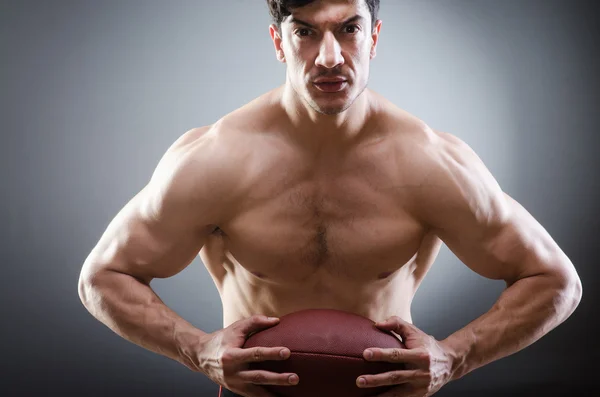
(245, 293)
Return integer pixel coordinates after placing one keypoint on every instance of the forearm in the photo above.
(133, 310)
(525, 311)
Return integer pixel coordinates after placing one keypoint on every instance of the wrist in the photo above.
(190, 345)
(457, 349)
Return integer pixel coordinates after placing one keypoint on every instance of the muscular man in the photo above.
(323, 194)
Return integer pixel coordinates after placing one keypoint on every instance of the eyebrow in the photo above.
(347, 21)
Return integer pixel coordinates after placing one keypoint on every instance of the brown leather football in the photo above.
(326, 352)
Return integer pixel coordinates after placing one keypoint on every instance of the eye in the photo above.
(303, 32)
(351, 29)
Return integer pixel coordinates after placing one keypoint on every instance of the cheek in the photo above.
(293, 54)
(360, 54)
(298, 67)
(299, 63)
(365, 50)
(359, 63)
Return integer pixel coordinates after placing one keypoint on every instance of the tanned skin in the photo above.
(310, 199)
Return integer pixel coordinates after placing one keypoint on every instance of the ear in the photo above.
(276, 37)
(375, 37)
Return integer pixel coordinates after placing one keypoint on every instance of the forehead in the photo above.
(330, 11)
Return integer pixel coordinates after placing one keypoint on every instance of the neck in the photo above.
(313, 128)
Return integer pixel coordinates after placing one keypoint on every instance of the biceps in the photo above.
(145, 246)
(516, 248)
(526, 245)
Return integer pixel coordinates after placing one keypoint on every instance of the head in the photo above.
(325, 40)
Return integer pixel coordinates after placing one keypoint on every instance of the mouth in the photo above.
(331, 86)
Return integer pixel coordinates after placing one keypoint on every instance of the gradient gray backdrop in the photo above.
(93, 93)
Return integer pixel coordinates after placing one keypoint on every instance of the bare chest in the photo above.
(349, 223)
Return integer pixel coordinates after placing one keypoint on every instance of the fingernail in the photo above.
(293, 379)
(368, 355)
(272, 318)
(362, 381)
(284, 353)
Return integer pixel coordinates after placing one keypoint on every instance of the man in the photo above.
(323, 194)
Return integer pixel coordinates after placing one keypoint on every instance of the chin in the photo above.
(331, 107)
(331, 110)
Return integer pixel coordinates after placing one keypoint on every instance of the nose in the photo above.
(330, 52)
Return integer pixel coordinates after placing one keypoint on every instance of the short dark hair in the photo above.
(280, 9)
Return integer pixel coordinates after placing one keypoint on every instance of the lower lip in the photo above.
(331, 87)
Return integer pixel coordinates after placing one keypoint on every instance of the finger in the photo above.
(256, 323)
(269, 378)
(398, 325)
(388, 378)
(256, 354)
(396, 355)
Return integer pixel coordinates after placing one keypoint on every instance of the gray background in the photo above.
(93, 92)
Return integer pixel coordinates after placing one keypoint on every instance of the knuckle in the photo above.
(424, 356)
(395, 354)
(424, 378)
(427, 359)
(258, 378)
(255, 318)
(226, 358)
(394, 377)
(258, 354)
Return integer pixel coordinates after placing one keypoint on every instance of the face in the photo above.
(327, 46)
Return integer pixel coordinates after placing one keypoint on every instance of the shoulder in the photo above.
(410, 132)
(455, 183)
(435, 156)
(446, 178)
(207, 149)
(453, 163)
(218, 154)
(190, 148)
(225, 145)
(197, 170)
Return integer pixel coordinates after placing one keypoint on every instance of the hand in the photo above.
(225, 362)
(427, 364)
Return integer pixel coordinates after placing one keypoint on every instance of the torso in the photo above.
(323, 232)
